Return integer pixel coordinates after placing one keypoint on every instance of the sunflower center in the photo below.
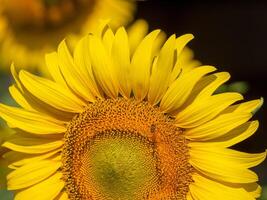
(119, 165)
(124, 149)
(44, 13)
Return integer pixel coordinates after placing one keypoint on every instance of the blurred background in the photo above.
(231, 35)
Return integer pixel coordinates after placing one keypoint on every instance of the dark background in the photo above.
(230, 35)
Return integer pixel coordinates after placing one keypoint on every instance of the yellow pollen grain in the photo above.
(125, 149)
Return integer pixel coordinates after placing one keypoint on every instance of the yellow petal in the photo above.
(202, 111)
(178, 92)
(221, 166)
(189, 196)
(19, 98)
(37, 105)
(249, 106)
(32, 145)
(254, 189)
(103, 67)
(232, 137)
(52, 64)
(63, 196)
(136, 33)
(30, 121)
(184, 57)
(121, 59)
(159, 80)
(45, 190)
(83, 64)
(206, 87)
(102, 28)
(185, 62)
(17, 159)
(209, 86)
(141, 64)
(182, 41)
(240, 159)
(206, 189)
(51, 93)
(31, 174)
(71, 75)
(108, 39)
(217, 127)
(15, 76)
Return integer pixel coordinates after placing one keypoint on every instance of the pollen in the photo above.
(125, 149)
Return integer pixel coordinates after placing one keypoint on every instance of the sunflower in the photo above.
(29, 28)
(122, 122)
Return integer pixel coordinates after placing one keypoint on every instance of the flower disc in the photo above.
(124, 149)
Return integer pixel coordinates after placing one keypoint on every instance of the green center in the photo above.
(120, 167)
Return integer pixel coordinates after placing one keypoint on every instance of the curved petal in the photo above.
(141, 64)
(121, 59)
(232, 137)
(185, 62)
(206, 87)
(19, 98)
(63, 196)
(17, 159)
(83, 64)
(205, 189)
(211, 87)
(239, 159)
(36, 105)
(159, 80)
(45, 190)
(30, 121)
(181, 42)
(202, 111)
(217, 127)
(180, 89)
(31, 174)
(136, 33)
(249, 106)
(103, 67)
(51, 93)
(108, 39)
(32, 145)
(52, 64)
(222, 165)
(71, 75)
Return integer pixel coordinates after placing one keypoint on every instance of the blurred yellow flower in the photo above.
(126, 119)
(28, 28)
(5, 133)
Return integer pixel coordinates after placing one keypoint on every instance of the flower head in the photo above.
(29, 28)
(116, 122)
